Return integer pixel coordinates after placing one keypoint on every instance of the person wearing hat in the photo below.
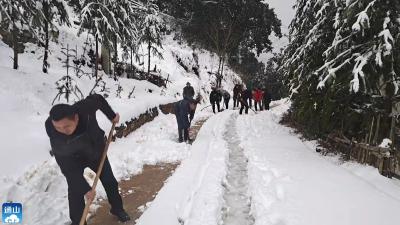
(183, 109)
(188, 91)
(78, 142)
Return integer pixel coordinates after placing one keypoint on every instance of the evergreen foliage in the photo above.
(341, 65)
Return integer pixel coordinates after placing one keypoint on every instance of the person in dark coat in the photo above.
(236, 91)
(215, 99)
(247, 96)
(78, 142)
(226, 97)
(267, 99)
(188, 91)
(243, 102)
(183, 115)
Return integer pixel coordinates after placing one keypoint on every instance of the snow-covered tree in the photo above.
(98, 19)
(341, 64)
(109, 21)
(67, 85)
(127, 14)
(54, 12)
(151, 31)
(15, 19)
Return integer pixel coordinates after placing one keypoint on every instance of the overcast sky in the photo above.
(285, 12)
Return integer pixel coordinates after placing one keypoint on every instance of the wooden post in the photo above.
(96, 68)
(378, 123)
(371, 130)
(392, 135)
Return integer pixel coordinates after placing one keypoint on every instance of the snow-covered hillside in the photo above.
(30, 175)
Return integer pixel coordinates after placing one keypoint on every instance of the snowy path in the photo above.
(237, 203)
(292, 184)
(287, 181)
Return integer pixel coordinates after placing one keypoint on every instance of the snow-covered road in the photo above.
(292, 184)
(288, 182)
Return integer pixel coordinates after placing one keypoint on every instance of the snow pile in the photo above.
(385, 143)
(44, 185)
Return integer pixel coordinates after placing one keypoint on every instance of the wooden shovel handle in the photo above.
(98, 173)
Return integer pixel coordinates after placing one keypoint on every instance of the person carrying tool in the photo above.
(78, 142)
(184, 116)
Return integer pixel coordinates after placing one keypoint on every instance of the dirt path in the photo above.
(140, 189)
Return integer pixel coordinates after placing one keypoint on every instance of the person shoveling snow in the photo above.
(78, 142)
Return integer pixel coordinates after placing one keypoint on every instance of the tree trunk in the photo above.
(46, 48)
(378, 123)
(115, 54)
(133, 74)
(148, 66)
(109, 61)
(219, 64)
(105, 59)
(96, 67)
(222, 71)
(46, 33)
(15, 45)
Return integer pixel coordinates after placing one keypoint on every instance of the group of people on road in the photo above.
(78, 142)
(242, 96)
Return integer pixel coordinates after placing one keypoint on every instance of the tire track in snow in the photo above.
(237, 202)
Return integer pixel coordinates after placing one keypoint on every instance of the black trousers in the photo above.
(266, 105)
(226, 102)
(183, 132)
(235, 102)
(250, 102)
(259, 104)
(244, 105)
(110, 184)
(213, 106)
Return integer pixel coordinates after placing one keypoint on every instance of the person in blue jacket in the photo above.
(184, 117)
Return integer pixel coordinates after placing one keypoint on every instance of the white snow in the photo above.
(385, 143)
(194, 194)
(292, 184)
(289, 183)
(30, 176)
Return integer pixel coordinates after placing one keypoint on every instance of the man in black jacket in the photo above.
(236, 91)
(247, 96)
(215, 98)
(188, 91)
(267, 99)
(243, 102)
(227, 97)
(78, 142)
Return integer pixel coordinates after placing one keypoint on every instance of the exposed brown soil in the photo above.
(140, 189)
